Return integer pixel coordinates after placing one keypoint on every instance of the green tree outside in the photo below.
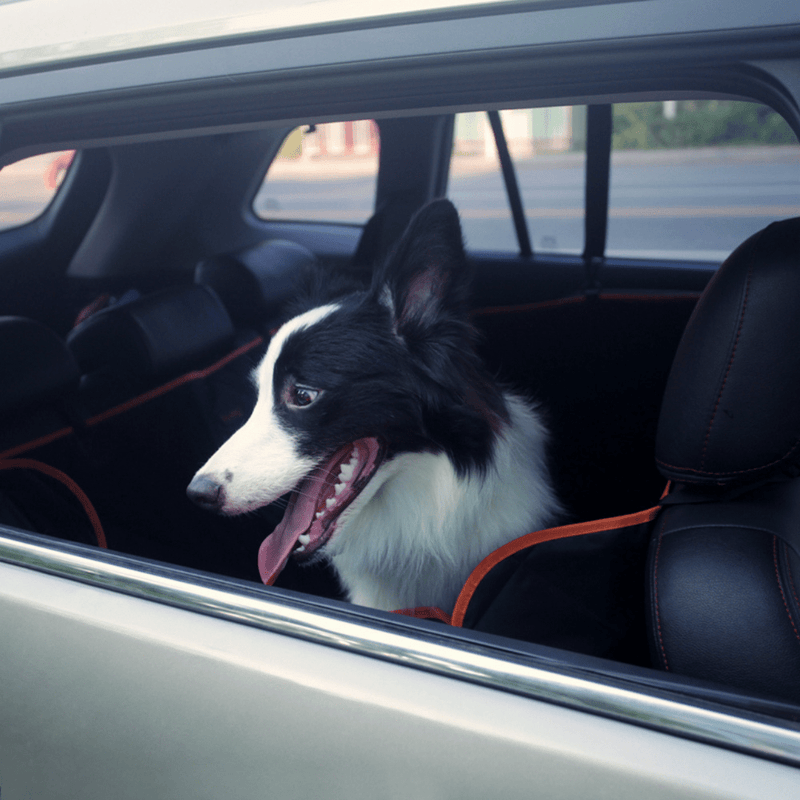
(697, 123)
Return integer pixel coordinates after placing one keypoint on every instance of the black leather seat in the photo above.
(164, 383)
(255, 285)
(725, 551)
(708, 580)
(39, 454)
(38, 385)
(131, 347)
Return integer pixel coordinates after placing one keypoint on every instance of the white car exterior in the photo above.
(122, 678)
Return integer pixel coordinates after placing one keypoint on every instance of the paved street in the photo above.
(691, 204)
(697, 203)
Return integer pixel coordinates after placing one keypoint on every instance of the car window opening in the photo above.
(28, 187)
(612, 174)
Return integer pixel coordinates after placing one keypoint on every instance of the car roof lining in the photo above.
(403, 88)
(166, 207)
(142, 242)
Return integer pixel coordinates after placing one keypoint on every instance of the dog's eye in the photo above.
(300, 396)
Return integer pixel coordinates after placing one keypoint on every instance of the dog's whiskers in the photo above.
(283, 500)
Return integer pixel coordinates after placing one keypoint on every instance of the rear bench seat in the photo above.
(131, 353)
(164, 381)
(256, 285)
(598, 364)
(163, 385)
(38, 446)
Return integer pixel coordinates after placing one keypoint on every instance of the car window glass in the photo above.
(324, 173)
(27, 187)
(547, 147)
(692, 179)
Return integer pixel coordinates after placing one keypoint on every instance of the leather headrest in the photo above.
(255, 284)
(35, 365)
(157, 336)
(731, 409)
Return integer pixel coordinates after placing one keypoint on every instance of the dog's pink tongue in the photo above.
(277, 547)
(316, 502)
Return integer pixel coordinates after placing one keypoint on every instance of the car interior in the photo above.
(138, 302)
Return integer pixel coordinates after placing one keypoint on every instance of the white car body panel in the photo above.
(244, 712)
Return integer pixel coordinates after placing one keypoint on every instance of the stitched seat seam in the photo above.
(696, 471)
(780, 587)
(730, 366)
(659, 631)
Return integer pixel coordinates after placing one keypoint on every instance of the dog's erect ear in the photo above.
(426, 277)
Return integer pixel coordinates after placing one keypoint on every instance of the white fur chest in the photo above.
(418, 530)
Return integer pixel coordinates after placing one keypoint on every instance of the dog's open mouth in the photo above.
(316, 504)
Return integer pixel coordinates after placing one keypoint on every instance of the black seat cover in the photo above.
(725, 552)
(131, 347)
(38, 391)
(718, 560)
(38, 382)
(35, 366)
(256, 284)
(730, 412)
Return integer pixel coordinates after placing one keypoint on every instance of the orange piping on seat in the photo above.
(644, 298)
(581, 298)
(57, 474)
(425, 612)
(40, 442)
(518, 309)
(173, 384)
(537, 537)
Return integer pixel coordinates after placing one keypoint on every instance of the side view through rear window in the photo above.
(28, 187)
(691, 179)
(323, 173)
(688, 179)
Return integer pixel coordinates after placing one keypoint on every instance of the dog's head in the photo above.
(348, 384)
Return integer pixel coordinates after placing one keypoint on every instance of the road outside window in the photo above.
(691, 179)
(28, 187)
(323, 173)
(547, 146)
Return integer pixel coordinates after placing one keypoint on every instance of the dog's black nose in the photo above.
(206, 492)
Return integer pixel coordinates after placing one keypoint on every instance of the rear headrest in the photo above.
(154, 337)
(255, 284)
(731, 409)
(35, 365)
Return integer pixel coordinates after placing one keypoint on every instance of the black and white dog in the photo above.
(406, 462)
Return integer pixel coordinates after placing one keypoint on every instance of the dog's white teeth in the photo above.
(304, 539)
(330, 502)
(339, 488)
(300, 549)
(346, 471)
(318, 514)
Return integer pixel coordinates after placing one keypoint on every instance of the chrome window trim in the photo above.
(371, 635)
